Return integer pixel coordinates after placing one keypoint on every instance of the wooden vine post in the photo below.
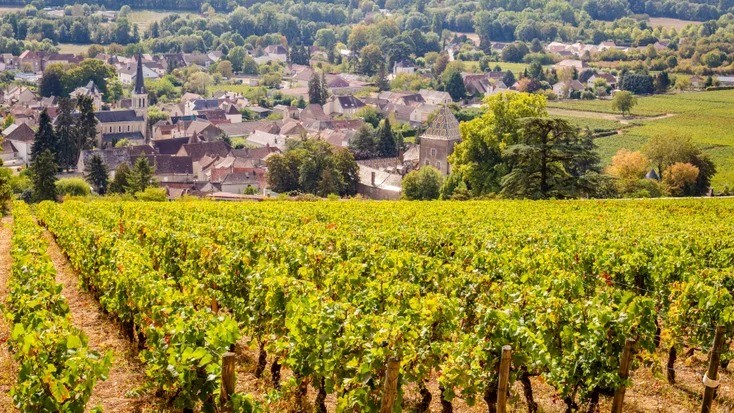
(390, 390)
(710, 379)
(504, 379)
(227, 379)
(624, 369)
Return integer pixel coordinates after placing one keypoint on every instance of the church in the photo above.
(129, 124)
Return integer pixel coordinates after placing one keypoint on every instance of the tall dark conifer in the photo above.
(67, 155)
(86, 125)
(45, 138)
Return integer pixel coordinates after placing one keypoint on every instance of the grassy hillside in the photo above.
(706, 117)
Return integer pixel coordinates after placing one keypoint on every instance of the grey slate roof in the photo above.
(170, 146)
(111, 116)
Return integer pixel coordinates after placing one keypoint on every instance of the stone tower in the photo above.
(438, 141)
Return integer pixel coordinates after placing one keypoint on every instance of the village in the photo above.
(206, 147)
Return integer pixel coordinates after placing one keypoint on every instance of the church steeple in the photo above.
(140, 98)
(139, 80)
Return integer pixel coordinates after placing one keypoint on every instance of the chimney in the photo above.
(373, 174)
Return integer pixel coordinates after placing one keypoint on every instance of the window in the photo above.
(438, 165)
(433, 152)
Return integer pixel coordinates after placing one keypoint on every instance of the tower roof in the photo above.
(444, 126)
(139, 80)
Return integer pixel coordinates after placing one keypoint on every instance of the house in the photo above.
(421, 113)
(610, 79)
(90, 90)
(128, 73)
(199, 152)
(237, 182)
(579, 65)
(403, 66)
(725, 80)
(564, 89)
(267, 140)
(277, 51)
(435, 97)
(169, 168)
(112, 157)
(698, 82)
(377, 184)
(439, 140)
(204, 130)
(343, 105)
(9, 155)
(400, 98)
(170, 146)
(193, 107)
(22, 137)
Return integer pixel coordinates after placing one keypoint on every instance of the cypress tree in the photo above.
(86, 125)
(66, 135)
(45, 138)
(121, 181)
(141, 176)
(97, 175)
(43, 175)
(386, 140)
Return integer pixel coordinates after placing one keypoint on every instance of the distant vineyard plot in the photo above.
(705, 117)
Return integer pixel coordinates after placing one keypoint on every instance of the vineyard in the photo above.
(347, 305)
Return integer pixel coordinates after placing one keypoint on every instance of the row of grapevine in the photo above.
(182, 345)
(57, 370)
(333, 295)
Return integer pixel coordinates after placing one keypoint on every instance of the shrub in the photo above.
(72, 187)
(152, 194)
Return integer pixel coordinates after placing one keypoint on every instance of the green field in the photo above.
(144, 18)
(706, 117)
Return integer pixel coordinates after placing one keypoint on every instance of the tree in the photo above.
(141, 176)
(680, 179)
(371, 60)
(423, 184)
(198, 82)
(551, 161)
(627, 164)
(121, 181)
(661, 82)
(624, 101)
(43, 174)
(51, 83)
(386, 145)
(96, 173)
(455, 86)
(315, 167)
(665, 151)
(45, 138)
(628, 168)
(66, 135)
(478, 158)
(515, 52)
(225, 69)
(317, 92)
(509, 78)
(86, 126)
(363, 143)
